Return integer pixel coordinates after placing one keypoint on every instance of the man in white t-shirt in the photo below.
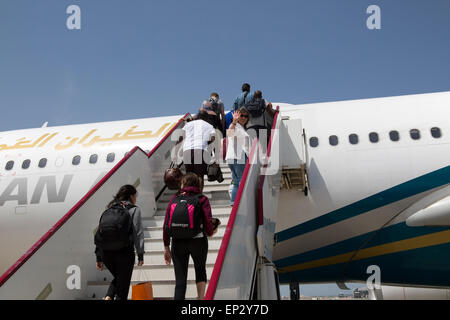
(198, 136)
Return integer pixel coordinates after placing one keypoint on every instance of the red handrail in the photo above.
(227, 235)
(34, 248)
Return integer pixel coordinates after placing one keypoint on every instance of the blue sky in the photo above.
(147, 58)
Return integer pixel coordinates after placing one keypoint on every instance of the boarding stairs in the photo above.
(61, 265)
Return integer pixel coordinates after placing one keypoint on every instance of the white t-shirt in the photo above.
(197, 134)
(237, 143)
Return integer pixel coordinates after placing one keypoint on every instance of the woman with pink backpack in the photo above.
(187, 224)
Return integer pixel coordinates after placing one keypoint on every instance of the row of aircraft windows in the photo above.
(76, 160)
(313, 142)
(374, 137)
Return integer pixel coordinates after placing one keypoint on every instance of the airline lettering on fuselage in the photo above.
(17, 190)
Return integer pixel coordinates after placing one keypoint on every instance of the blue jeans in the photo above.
(237, 170)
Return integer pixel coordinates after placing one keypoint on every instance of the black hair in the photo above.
(202, 115)
(124, 194)
(245, 87)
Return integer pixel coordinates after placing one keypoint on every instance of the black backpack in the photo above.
(256, 107)
(185, 217)
(115, 228)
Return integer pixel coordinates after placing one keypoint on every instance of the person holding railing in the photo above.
(261, 114)
(188, 239)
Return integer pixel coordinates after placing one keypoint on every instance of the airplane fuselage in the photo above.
(371, 165)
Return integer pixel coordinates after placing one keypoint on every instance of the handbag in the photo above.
(172, 177)
(142, 290)
(215, 173)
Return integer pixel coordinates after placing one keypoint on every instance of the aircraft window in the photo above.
(314, 142)
(394, 135)
(373, 137)
(26, 164)
(415, 134)
(9, 165)
(333, 140)
(110, 157)
(93, 159)
(436, 132)
(76, 160)
(353, 138)
(42, 163)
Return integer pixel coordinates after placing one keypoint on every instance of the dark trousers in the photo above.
(181, 249)
(194, 161)
(120, 264)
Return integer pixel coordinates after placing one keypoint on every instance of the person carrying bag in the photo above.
(120, 229)
(187, 224)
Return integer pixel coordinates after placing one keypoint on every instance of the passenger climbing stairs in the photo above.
(154, 268)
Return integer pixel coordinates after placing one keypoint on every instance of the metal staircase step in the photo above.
(156, 257)
(222, 213)
(157, 232)
(163, 272)
(162, 289)
(157, 244)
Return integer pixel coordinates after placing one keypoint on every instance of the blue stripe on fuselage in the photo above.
(428, 266)
(386, 235)
(405, 190)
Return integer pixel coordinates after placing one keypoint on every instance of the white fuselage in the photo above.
(344, 178)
